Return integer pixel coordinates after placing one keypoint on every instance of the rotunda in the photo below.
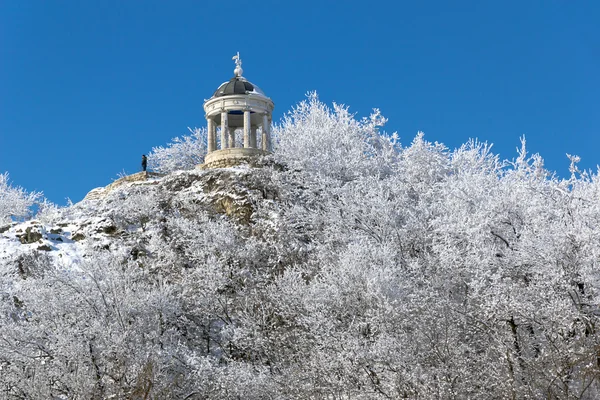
(234, 114)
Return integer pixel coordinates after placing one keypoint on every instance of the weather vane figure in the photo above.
(238, 65)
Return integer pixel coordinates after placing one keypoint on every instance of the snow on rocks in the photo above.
(122, 217)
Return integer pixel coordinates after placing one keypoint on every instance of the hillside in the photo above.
(347, 267)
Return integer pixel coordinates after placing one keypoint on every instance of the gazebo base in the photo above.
(232, 157)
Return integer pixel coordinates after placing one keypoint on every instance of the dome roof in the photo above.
(237, 85)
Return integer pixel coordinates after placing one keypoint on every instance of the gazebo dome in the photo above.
(237, 85)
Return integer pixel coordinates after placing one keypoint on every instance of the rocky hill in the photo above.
(347, 267)
(124, 216)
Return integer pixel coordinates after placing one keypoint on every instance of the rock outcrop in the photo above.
(144, 176)
(30, 236)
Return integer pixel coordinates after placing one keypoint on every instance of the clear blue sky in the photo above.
(86, 87)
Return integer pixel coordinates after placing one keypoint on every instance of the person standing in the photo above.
(144, 162)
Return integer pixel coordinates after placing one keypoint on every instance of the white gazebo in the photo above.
(234, 114)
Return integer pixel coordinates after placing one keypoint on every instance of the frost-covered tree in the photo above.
(15, 202)
(181, 153)
(96, 333)
(350, 268)
(331, 142)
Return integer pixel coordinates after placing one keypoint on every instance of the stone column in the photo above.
(266, 134)
(253, 136)
(215, 136)
(224, 129)
(269, 141)
(246, 128)
(212, 140)
(232, 137)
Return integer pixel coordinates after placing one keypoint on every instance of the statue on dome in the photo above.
(238, 64)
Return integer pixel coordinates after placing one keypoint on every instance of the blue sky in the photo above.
(86, 87)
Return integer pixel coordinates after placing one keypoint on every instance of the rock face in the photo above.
(143, 176)
(78, 236)
(30, 236)
(225, 190)
(119, 215)
(235, 193)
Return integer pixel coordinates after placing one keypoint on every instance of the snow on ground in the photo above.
(55, 240)
(113, 220)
